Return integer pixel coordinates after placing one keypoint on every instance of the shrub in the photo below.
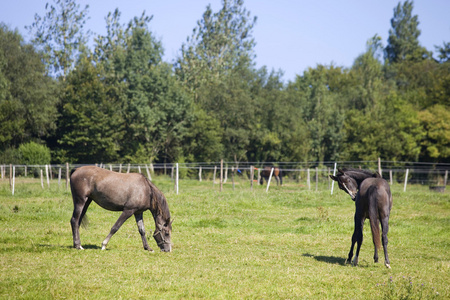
(34, 154)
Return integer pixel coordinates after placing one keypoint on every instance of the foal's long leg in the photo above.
(123, 217)
(384, 239)
(359, 226)
(141, 228)
(80, 205)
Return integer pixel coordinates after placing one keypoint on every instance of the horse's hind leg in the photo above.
(141, 228)
(384, 240)
(80, 206)
(123, 217)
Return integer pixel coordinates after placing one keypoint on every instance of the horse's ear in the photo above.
(377, 175)
(340, 171)
(334, 178)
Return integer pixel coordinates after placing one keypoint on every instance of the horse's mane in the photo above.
(158, 202)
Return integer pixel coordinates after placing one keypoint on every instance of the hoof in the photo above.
(388, 266)
(79, 247)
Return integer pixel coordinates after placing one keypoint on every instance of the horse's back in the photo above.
(110, 190)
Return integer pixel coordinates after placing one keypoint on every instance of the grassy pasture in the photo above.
(290, 243)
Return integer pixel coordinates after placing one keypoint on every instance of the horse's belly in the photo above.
(110, 202)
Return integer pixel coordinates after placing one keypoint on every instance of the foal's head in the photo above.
(347, 184)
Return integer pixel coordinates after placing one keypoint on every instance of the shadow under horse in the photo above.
(277, 173)
(130, 193)
(373, 200)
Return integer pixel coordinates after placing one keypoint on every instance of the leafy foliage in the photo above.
(123, 103)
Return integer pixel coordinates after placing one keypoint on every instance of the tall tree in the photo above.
(216, 65)
(27, 96)
(155, 108)
(90, 128)
(403, 41)
(320, 96)
(59, 33)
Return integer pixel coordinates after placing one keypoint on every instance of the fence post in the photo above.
(334, 174)
(13, 179)
(226, 174)
(445, 179)
(46, 175)
(268, 181)
(221, 175)
(214, 175)
(406, 180)
(149, 176)
(42, 179)
(390, 176)
(379, 167)
(200, 174)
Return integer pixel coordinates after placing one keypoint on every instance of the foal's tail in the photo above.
(374, 224)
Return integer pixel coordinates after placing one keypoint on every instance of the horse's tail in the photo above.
(374, 223)
(85, 222)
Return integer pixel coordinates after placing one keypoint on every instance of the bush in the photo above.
(34, 154)
(10, 156)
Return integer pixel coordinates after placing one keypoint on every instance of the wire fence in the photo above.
(310, 175)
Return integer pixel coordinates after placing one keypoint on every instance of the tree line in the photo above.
(119, 101)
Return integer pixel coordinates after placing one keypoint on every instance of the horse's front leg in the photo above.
(141, 228)
(123, 217)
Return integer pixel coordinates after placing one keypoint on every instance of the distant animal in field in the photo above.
(277, 174)
(373, 200)
(130, 193)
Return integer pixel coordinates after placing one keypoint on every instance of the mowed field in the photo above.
(289, 243)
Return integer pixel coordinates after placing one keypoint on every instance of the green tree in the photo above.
(444, 52)
(90, 128)
(27, 96)
(155, 108)
(436, 143)
(403, 41)
(319, 92)
(216, 66)
(59, 34)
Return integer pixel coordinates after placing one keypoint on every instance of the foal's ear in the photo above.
(334, 178)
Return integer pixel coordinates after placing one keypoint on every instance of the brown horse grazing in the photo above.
(277, 173)
(373, 200)
(130, 193)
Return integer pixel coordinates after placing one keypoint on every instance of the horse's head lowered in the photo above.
(346, 183)
(162, 234)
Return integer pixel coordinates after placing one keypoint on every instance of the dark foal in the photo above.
(373, 200)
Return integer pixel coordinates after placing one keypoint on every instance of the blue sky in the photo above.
(291, 35)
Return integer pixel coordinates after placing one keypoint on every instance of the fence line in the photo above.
(434, 175)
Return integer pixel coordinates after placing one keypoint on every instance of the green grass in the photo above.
(290, 243)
